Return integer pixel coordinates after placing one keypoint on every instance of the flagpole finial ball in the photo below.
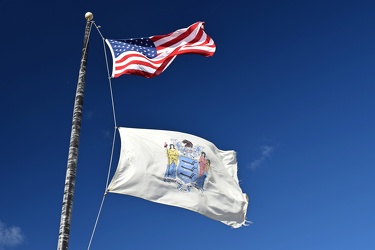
(89, 16)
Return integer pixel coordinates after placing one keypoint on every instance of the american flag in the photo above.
(150, 56)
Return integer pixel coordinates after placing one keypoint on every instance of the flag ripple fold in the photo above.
(180, 170)
(150, 56)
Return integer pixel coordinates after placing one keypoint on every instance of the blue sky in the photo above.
(290, 89)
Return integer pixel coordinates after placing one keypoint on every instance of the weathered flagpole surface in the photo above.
(70, 179)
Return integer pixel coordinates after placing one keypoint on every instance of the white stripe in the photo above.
(137, 67)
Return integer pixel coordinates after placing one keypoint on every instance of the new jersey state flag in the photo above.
(150, 56)
(180, 170)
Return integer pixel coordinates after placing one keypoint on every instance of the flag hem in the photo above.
(113, 57)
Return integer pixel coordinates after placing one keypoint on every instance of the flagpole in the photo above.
(70, 179)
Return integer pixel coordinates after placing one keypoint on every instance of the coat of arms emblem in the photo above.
(187, 165)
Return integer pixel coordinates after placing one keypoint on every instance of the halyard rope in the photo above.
(114, 135)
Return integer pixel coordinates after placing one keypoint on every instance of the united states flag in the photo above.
(150, 56)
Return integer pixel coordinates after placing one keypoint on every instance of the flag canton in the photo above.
(142, 45)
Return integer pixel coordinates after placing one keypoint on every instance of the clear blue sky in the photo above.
(291, 88)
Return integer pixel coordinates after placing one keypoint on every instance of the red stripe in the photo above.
(197, 37)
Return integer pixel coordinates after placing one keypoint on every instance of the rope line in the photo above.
(108, 75)
(110, 161)
(113, 140)
(113, 105)
(96, 222)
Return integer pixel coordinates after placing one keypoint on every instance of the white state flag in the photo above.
(180, 170)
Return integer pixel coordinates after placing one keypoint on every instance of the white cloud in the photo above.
(89, 115)
(108, 133)
(10, 236)
(266, 152)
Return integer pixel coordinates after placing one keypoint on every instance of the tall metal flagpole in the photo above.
(70, 179)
